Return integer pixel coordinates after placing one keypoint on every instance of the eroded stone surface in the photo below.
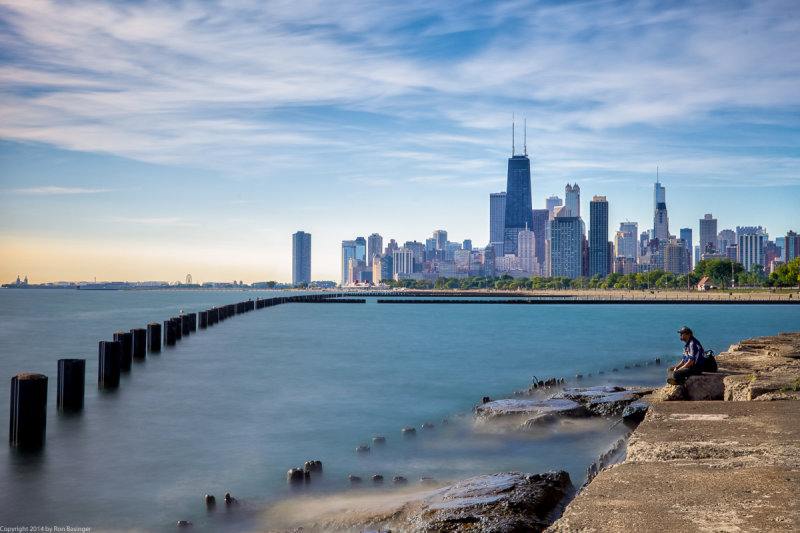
(530, 408)
(604, 401)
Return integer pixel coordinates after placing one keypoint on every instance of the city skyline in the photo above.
(149, 141)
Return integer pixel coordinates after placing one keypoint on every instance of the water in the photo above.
(232, 408)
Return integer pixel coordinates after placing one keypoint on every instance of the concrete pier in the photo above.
(71, 384)
(28, 417)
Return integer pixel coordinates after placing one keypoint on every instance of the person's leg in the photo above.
(680, 376)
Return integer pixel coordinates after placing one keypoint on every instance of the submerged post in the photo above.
(108, 364)
(139, 336)
(125, 340)
(154, 337)
(28, 420)
(71, 384)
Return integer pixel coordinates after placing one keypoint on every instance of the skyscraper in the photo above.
(551, 203)
(440, 236)
(526, 251)
(573, 200)
(751, 249)
(598, 237)
(686, 236)
(497, 216)
(791, 246)
(301, 258)
(725, 238)
(361, 249)
(708, 234)
(374, 247)
(518, 199)
(539, 228)
(348, 253)
(626, 240)
(660, 218)
(565, 247)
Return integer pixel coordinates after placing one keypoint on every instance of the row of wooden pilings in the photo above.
(28, 417)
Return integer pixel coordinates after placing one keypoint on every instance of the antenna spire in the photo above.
(512, 135)
(656, 174)
(525, 137)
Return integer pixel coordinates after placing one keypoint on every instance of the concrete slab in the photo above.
(700, 466)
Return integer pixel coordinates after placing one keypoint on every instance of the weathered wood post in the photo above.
(71, 384)
(139, 336)
(192, 321)
(28, 419)
(169, 332)
(186, 325)
(125, 340)
(108, 364)
(178, 321)
(203, 319)
(154, 337)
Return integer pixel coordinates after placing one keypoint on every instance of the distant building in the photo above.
(402, 262)
(660, 218)
(598, 237)
(686, 236)
(348, 253)
(572, 193)
(708, 234)
(440, 237)
(526, 251)
(382, 268)
(518, 201)
(751, 249)
(676, 257)
(497, 216)
(551, 203)
(725, 238)
(391, 248)
(361, 248)
(539, 228)
(791, 246)
(374, 247)
(626, 240)
(301, 258)
(467, 244)
(564, 247)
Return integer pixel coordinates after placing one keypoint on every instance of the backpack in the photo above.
(709, 362)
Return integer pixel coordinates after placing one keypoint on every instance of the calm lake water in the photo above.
(233, 407)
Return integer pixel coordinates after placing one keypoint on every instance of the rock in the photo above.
(530, 408)
(428, 426)
(378, 441)
(184, 523)
(313, 466)
(425, 480)
(399, 480)
(211, 501)
(362, 449)
(409, 432)
(540, 420)
(603, 401)
(229, 500)
(377, 479)
(635, 412)
(670, 393)
(353, 480)
(507, 502)
(295, 476)
(705, 387)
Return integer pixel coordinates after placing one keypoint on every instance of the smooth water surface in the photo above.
(233, 407)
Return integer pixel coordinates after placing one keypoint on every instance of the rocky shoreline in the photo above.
(636, 484)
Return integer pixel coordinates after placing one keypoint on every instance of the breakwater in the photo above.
(585, 301)
(28, 406)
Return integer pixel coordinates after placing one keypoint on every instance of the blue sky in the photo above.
(149, 139)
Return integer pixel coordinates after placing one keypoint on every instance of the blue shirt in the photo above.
(693, 351)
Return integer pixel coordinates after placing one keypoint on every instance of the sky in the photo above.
(147, 140)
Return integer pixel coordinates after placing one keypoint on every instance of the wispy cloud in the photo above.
(157, 221)
(57, 190)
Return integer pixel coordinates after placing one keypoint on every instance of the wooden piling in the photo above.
(186, 325)
(192, 321)
(178, 322)
(108, 364)
(71, 384)
(203, 316)
(28, 417)
(139, 336)
(125, 340)
(169, 332)
(154, 337)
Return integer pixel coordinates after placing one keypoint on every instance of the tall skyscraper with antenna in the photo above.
(518, 195)
(660, 218)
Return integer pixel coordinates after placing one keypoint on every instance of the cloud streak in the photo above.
(51, 190)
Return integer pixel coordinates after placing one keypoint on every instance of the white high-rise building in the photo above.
(626, 240)
(526, 251)
(403, 262)
(751, 249)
